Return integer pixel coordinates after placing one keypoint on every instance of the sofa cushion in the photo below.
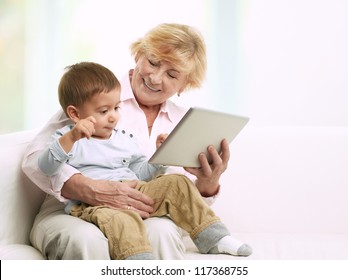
(283, 246)
(19, 252)
(286, 180)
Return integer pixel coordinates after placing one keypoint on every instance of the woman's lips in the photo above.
(150, 87)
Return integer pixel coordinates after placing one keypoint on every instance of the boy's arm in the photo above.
(146, 171)
(57, 154)
(141, 167)
(53, 159)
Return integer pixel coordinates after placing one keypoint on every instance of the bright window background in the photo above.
(281, 62)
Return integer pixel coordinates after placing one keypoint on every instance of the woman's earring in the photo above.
(179, 94)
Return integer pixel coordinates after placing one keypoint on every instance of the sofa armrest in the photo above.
(20, 198)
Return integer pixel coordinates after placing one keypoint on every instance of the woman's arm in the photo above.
(115, 194)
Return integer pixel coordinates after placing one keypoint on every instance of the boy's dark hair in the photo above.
(82, 80)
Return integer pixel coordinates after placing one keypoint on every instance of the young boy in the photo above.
(89, 94)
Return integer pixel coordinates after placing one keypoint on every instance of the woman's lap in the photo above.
(61, 236)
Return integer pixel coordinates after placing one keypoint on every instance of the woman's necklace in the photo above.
(151, 115)
(150, 118)
(150, 125)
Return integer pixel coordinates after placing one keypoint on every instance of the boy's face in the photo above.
(104, 108)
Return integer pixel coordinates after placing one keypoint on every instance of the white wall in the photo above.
(294, 62)
(281, 62)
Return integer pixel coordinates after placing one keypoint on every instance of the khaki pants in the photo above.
(174, 195)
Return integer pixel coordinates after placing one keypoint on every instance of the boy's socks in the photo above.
(142, 256)
(231, 246)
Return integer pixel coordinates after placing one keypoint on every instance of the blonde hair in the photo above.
(181, 45)
(83, 80)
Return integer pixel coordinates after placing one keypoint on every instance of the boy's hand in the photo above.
(83, 128)
(160, 139)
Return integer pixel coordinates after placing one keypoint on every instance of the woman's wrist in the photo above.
(208, 189)
(77, 187)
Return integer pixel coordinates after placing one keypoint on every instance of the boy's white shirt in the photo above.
(131, 117)
(117, 158)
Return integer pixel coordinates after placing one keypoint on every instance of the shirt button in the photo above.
(131, 135)
(123, 132)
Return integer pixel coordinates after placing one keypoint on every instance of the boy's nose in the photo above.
(113, 117)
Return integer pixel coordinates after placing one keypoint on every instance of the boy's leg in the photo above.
(124, 229)
(176, 196)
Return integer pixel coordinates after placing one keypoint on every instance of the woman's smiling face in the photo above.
(154, 82)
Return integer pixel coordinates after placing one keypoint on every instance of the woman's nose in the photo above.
(156, 77)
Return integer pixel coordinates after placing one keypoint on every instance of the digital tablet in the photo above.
(198, 129)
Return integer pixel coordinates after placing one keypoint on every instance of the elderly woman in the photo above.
(170, 59)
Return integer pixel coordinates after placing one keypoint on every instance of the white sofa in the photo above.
(285, 193)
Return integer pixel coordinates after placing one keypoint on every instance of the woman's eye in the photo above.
(152, 62)
(173, 75)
